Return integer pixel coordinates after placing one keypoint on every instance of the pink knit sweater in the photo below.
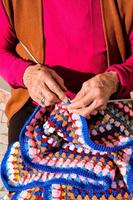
(75, 46)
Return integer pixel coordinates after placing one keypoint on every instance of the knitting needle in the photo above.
(115, 100)
(34, 59)
(119, 100)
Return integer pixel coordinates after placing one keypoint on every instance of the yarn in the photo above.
(61, 155)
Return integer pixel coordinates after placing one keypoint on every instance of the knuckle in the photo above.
(98, 92)
(53, 86)
(61, 80)
(50, 101)
(44, 69)
(51, 98)
(85, 84)
(50, 70)
(99, 76)
(54, 72)
(39, 74)
(62, 96)
(45, 74)
(36, 82)
(83, 104)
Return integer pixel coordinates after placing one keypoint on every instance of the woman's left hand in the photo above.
(95, 94)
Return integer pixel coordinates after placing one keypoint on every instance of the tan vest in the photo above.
(26, 16)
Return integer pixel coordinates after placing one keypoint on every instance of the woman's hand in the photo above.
(95, 94)
(43, 82)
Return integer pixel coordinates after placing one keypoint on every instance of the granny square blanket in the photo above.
(61, 155)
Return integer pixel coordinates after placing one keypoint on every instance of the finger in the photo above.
(81, 103)
(50, 97)
(100, 108)
(59, 80)
(94, 112)
(35, 92)
(37, 99)
(54, 87)
(103, 107)
(79, 95)
(92, 107)
(41, 91)
(84, 91)
(87, 110)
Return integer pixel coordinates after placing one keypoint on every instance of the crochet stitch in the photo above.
(61, 155)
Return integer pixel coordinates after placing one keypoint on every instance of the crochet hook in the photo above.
(115, 100)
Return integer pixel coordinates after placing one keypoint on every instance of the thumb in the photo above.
(78, 96)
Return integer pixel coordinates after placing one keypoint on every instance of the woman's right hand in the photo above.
(43, 82)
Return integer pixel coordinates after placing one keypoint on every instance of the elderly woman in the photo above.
(82, 47)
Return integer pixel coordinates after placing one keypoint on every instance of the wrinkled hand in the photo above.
(95, 94)
(44, 82)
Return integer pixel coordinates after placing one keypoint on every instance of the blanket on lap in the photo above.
(62, 156)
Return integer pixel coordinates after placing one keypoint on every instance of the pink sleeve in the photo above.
(12, 67)
(125, 73)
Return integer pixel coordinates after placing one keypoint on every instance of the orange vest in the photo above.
(26, 16)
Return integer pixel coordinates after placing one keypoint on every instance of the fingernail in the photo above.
(65, 100)
(47, 103)
(73, 100)
(93, 113)
(65, 87)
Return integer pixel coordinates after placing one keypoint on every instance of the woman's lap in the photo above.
(18, 120)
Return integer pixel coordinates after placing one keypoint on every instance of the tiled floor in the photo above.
(3, 131)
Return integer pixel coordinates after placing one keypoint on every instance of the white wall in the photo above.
(4, 85)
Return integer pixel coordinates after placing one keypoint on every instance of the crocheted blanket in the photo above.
(62, 156)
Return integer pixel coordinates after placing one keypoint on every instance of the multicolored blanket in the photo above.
(62, 156)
